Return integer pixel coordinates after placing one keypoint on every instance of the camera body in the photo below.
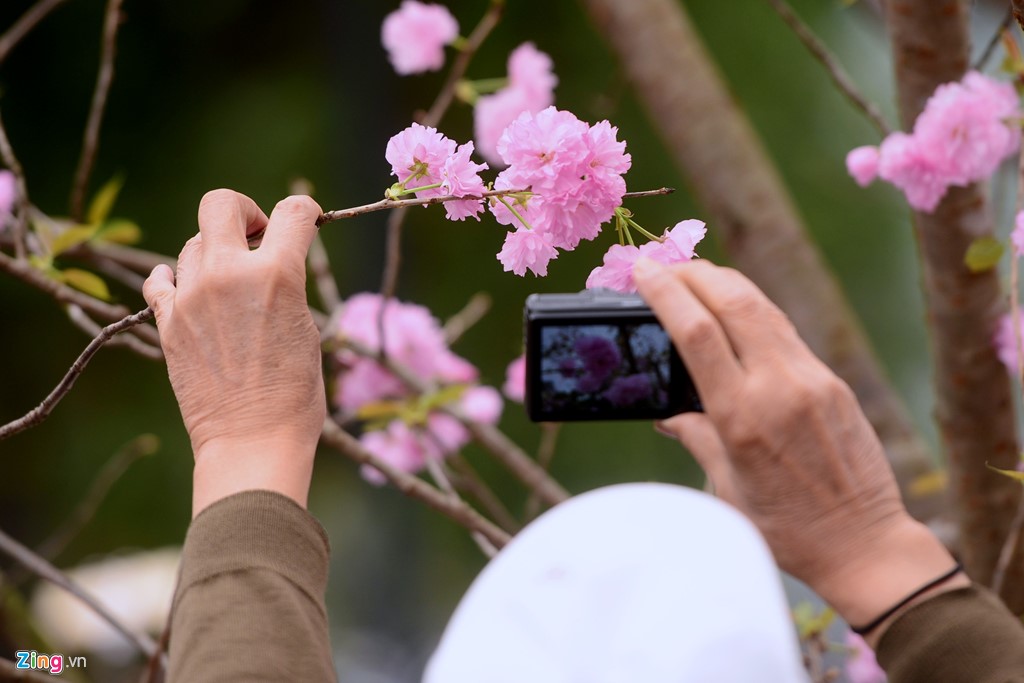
(601, 355)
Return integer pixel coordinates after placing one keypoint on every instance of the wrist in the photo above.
(894, 566)
(223, 467)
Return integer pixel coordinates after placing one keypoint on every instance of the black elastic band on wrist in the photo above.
(868, 628)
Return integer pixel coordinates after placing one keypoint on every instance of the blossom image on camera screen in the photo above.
(601, 368)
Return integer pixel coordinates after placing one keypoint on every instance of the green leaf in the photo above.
(380, 410)
(808, 622)
(104, 200)
(983, 254)
(71, 238)
(1012, 474)
(87, 282)
(120, 231)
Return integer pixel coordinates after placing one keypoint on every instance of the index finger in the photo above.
(696, 333)
(225, 218)
(292, 227)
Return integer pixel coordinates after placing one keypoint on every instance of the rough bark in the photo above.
(974, 404)
(752, 213)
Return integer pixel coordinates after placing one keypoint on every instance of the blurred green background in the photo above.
(251, 94)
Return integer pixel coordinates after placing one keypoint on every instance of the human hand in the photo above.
(243, 353)
(784, 440)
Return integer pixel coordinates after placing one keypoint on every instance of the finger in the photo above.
(695, 332)
(158, 291)
(698, 435)
(225, 218)
(292, 228)
(755, 326)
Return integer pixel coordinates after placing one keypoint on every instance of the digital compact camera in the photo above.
(601, 355)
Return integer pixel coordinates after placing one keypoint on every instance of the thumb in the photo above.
(700, 436)
(158, 291)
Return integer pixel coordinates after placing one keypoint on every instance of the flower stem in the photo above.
(411, 190)
(643, 232)
(514, 212)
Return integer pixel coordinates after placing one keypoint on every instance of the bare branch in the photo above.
(124, 458)
(45, 570)
(470, 315)
(21, 201)
(986, 54)
(1011, 549)
(43, 410)
(549, 432)
(413, 487)
(91, 136)
(468, 480)
(82, 320)
(27, 273)
(24, 25)
(139, 260)
(320, 266)
(836, 72)
(440, 478)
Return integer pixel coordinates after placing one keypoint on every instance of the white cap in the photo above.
(636, 583)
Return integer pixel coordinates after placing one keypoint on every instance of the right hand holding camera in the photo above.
(784, 440)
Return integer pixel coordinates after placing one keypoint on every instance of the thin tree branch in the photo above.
(82, 320)
(1011, 549)
(45, 570)
(474, 310)
(549, 432)
(986, 54)
(755, 218)
(437, 473)
(413, 487)
(27, 273)
(836, 72)
(24, 25)
(974, 396)
(43, 410)
(21, 201)
(468, 480)
(91, 136)
(124, 458)
(9, 672)
(320, 267)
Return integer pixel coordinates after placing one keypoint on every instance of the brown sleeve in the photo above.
(965, 635)
(250, 599)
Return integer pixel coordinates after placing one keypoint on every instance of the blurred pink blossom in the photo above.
(515, 380)
(966, 130)
(1017, 236)
(531, 88)
(1005, 341)
(482, 404)
(861, 665)
(415, 35)
(8, 193)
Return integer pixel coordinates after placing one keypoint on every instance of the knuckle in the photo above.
(218, 196)
(297, 205)
(698, 331)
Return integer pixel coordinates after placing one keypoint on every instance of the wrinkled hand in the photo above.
(243, 353)
(784, 440)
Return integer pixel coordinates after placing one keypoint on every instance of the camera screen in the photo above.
(602, 369)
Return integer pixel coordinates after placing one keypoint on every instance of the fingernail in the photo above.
(646, 268)
(662, 428)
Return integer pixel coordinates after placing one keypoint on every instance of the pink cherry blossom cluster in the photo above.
(965, 131)
(413, 338)
(421, 157)
(531, 88)
(574, 171)
(415, 34)
(678, 245)
(515, 380)
(1005, 341)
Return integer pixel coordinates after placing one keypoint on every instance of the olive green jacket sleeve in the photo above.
(965, 635)
(249, 605)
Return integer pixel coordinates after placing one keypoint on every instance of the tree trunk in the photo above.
(974, 403)
(752, 213)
